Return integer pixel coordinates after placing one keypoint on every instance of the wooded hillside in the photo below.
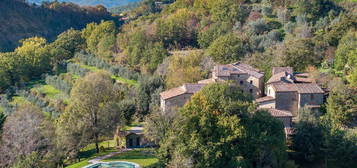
(20, 20)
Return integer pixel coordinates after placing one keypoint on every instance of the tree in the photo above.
(153, 55)
(342, 107)
(34, 56)
(33, 160)
(185, 69)
(346, 56)
(308, 138)
(157, 126)
(299, 53)
(343, 53)
(212, 32)
(100, 39)
(227, 49)
(264, 144)
(92, 112)
(215, 129)
(145, 90)
(24, 132)
(127, 108)
(178, 30)
(224, 10)
(66, 44)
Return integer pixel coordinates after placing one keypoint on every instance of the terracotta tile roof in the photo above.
(172, 92)
(278, 113)
(298, 87)
(186, 88)
(226, 70)
(249, 69)
(308, 88)
(193, 87)
(277, 70)
(286, 75)
(237, 68)
(284, 87)
(264, 99)
(281, 77)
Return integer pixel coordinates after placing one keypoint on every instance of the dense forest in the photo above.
(61, 95)
(21, 20)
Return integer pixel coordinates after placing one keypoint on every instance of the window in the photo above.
(268, 92)
(250, 90)
(241, 82)
(251, 82)
(312, 96)
(238, 76)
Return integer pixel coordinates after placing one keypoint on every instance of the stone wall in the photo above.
(310, 99)
(287, 101)
(247, 83)
(172, 104)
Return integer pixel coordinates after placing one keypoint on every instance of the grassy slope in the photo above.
(118, 78)
(88, 153)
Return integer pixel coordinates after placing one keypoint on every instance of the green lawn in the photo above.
(88, 153)
(49, 91)
(144, 157)
(91, 68)
(19, 100)
(124, 80)
(117, 78)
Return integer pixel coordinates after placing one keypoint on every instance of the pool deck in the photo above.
(97, 160)
(95, 165)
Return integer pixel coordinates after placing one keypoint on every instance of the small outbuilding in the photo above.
(134, 138)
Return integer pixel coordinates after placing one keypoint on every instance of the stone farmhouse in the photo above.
(282, 96)
(290, 91)
(251, 81)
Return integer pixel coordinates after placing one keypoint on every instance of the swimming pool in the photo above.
(113, 165)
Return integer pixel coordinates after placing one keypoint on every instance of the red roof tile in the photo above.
(237, 68)
(277, 70)
(189, 88)
(298, 87)
(278, 113)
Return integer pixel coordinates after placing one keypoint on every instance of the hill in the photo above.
(106, 3)
(21, 20)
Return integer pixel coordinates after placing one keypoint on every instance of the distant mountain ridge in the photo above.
(106, 3)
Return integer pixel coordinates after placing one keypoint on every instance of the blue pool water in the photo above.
(113, 165)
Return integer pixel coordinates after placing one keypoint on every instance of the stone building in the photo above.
(251, 80)
(285, 92)
(175, 98)
(134, 138)
(288, 91)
